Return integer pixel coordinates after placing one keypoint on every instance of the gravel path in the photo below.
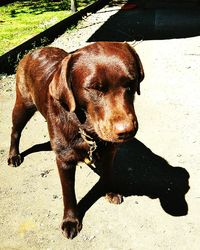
(78, 37)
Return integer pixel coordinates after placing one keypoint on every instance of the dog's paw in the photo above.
(15, 160)
(114, 198)
(71, 227)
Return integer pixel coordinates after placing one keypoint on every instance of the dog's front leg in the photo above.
(109, 186)
(71, 224)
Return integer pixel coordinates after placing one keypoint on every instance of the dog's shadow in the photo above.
(138, 171)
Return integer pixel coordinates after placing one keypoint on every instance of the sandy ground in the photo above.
(159, 210)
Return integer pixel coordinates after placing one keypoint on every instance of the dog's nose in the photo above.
(126, 130)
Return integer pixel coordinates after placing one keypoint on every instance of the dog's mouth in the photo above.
(119, 138)
(109, 133)
(126, 136)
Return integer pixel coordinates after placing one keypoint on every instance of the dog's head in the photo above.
(102, 79)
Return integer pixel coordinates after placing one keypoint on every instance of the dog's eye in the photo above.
(99, 87)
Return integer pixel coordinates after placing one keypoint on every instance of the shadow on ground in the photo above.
(138, 171)
(134, 22)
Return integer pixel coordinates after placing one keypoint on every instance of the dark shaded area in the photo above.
(138, 171)
(46, 146)
(4, 2)
(140, 23)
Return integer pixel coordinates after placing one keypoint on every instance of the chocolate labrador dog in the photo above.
(87, 100)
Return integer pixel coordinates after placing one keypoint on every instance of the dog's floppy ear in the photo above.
(139, 66)
(60, 88)
(140, 71)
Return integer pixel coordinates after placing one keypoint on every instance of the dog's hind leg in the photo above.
(22, 112)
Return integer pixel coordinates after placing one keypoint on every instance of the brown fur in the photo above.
(92, 89)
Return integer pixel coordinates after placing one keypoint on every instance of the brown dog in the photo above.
(87, 99)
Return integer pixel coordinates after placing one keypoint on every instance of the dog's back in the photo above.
(34, 73)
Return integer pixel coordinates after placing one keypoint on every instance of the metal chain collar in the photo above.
(92, 144)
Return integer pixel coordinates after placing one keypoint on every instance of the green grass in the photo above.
(22, 20)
